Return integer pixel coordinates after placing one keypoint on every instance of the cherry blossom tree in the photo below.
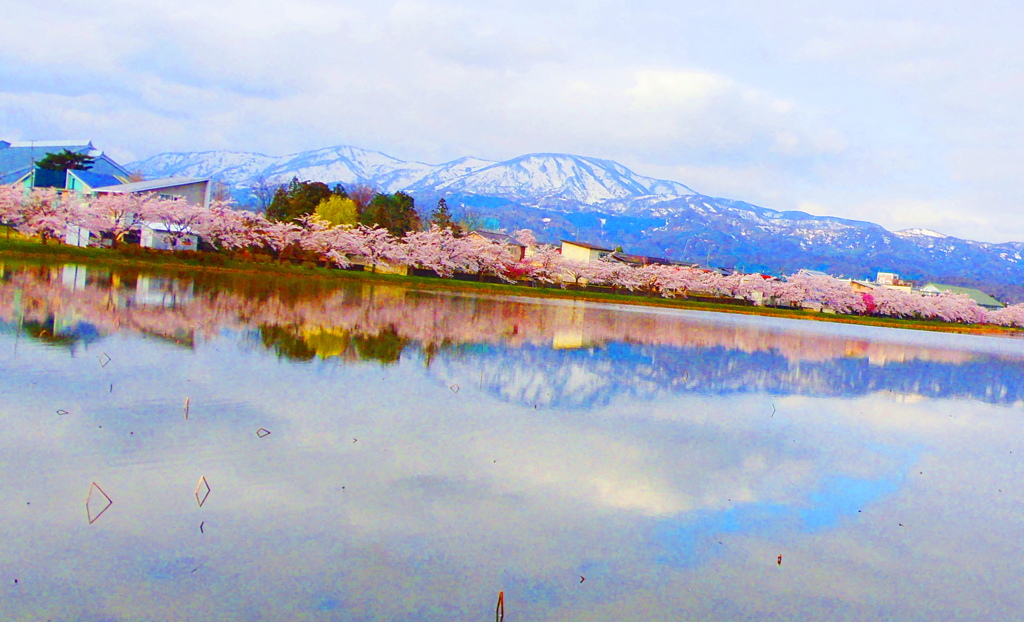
(12, 199)
(1012, 315)
(276, 235)
(377, 246)
(46, 213)
(490, 257)
(439, 250)
(545, 264)
(179, 218)
(951, 307)
(227, 228)
(615, 274)
(116, 214)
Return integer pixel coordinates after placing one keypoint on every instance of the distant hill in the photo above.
(603, 202)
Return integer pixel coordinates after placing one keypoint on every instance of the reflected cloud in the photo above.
(668, 449)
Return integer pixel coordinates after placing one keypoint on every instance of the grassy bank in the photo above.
(133, 257)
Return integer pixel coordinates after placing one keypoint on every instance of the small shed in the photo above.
(165, 237)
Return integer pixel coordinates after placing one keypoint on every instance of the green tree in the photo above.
(394, 212)
(66, 160)
(299, 198)
(442, 217)
(338, 210)
(471, 221)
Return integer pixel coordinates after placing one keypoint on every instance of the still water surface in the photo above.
(429, 449)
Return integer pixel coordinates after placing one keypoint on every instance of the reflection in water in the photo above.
(668, 457)
(562, 354)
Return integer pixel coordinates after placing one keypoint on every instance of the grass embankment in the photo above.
(134, 257)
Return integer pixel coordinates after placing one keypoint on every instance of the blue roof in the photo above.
(96, 180)
(20, 157)
(13, 176)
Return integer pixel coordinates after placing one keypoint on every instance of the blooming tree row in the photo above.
(47, 214)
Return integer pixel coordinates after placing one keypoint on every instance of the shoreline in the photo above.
(23, 250)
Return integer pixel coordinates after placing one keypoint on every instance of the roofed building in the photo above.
(516, 249)
(18, 165)
(581, 251)
(193, 190)
(984, 300)
(18, 162)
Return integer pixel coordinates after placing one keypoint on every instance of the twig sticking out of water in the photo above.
(88, 503)
(202, 491)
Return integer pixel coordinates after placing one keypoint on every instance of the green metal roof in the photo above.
(976, 295)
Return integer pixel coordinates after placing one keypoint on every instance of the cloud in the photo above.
(835, 105)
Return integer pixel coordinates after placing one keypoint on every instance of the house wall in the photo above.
(196, 194)
(76, 184)
(76, 236)
(579, 253)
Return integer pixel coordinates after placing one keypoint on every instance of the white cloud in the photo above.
(834, 105)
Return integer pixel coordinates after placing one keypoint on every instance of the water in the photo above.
(429, 449)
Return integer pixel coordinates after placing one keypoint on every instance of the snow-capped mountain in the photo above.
(603, 202)
(551, 178)
(536, 179)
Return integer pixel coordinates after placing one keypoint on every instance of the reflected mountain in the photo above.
(590, 378)
(565, 354)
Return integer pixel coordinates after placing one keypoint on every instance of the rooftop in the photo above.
(592, 247)
(494, 236)
(153, 184)
(19, 157)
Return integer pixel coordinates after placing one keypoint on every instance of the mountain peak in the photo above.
(925, 233)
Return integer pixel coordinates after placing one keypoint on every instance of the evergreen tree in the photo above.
(66, 160)
(394, 212)
(442, 218)
(300, 198)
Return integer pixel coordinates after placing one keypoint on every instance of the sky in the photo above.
(904, 114)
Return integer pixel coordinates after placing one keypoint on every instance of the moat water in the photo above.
(373, 452)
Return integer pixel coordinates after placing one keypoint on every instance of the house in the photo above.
(862, 287)
(18, 163)
(194, 190)
(638, 261)
(582, 252)
(984, 300)
(893, 280)
(167, 238)
(515, 249)
(104, 176)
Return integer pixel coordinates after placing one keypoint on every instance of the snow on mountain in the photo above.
(448, 171)
(230, 167)
(926, 233)
(537, 179)
(532, 179)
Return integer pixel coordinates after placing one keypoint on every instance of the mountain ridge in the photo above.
(563, 196)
